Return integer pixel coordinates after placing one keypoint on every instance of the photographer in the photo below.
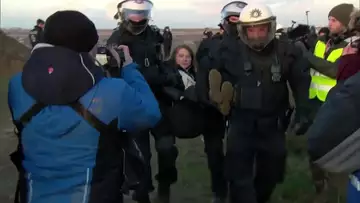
(72, 120)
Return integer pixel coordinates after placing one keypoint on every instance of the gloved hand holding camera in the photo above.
(117, 57)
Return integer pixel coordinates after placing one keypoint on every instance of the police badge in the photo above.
(256, 13)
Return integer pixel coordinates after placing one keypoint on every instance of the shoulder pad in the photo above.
(154, 28)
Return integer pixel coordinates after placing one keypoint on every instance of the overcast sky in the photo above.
(175, 13)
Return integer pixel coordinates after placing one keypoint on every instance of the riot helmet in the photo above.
(135, 15)
(257, 26)
(230, 16)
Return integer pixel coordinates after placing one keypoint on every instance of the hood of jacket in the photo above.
(57, 75)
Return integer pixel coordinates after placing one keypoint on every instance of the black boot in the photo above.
(141, 198)
(163, 193)
(218, 199)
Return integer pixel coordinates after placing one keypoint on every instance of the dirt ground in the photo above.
(193, 184)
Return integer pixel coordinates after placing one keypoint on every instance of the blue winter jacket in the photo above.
(66, 160)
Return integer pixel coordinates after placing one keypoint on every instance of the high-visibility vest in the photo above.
(321, 84)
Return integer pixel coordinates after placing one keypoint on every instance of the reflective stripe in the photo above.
(86, 186)
(30, 188)
(355, 182)
(321, 84)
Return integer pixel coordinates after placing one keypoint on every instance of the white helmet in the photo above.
(233, 8)
(135, 14)
(253, 15)
(230, 16)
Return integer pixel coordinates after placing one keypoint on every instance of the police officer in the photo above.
(36, 34)
(168, 38)
(143, 42)
(220, 32)
(229, 17)
(324, 58)
(214, 120)
(257, 71)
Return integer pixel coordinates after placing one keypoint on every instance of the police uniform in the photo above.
(35, 35)
(256, 153)
(144, 43)
(214, 121)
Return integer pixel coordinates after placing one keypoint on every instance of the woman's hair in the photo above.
(191, 52)
(354, 24)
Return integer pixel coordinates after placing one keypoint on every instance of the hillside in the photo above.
(13, 55)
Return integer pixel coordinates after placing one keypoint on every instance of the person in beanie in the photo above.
(324, 58)
(72, 120)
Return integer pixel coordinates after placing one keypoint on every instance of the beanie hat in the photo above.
(71, 29)
(342, 13)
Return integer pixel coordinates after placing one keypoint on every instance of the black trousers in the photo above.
(214, 132)
(145, 183)
(255, 158)
(167, 50)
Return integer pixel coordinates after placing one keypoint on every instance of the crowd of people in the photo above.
(84, 127)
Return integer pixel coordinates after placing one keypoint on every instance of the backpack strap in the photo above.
(91, 118)
(17, 156)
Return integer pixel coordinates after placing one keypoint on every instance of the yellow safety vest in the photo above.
(321, 84)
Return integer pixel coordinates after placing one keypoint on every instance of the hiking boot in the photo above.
(215, 81)
(163, 193)
(227, 93)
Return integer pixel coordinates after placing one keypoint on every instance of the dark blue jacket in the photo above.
(65, 158)
(334, 142)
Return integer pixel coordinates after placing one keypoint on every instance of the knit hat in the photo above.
(342, 13)
(71, 29)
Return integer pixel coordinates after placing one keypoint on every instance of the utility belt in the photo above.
(132, 164)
